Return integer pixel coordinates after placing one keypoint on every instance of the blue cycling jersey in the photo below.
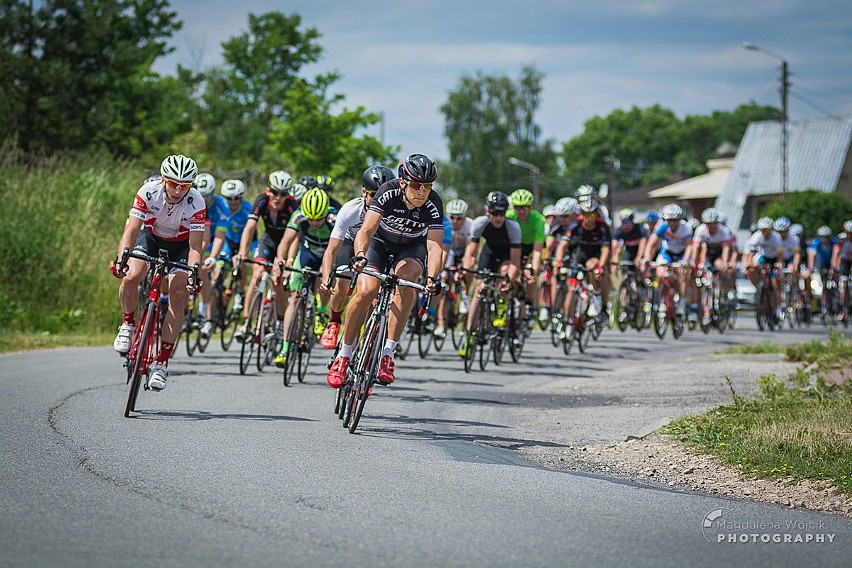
(448, 232)
(823, 253)
(236, 222)
(218, 213)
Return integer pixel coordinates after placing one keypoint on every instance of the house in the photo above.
(818, 157)
(698, 193)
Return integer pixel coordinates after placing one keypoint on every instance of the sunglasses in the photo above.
(233, 198)
(275, 193)
(497, 213)
(175, 185)
(457, 217)
(418, 186)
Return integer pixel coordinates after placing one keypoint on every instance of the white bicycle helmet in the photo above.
(824, 231)
(179, 168)
(280, 181)
(233, 188)
(847, 226)
(299, 190)
(205, 184)
(764, 223)
(671, 211)
(710, 215)
(457, 207)
(781, 224)
(566, 206)
(548, 210)
(796, 229)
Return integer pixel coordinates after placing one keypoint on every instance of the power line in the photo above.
(819, 108)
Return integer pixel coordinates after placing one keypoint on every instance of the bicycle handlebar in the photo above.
(162, 259)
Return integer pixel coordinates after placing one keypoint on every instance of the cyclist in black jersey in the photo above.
(589, 243)
(274, 206)
(405, 219)
(501, 253)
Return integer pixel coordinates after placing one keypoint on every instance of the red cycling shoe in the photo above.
(386, 370)
(337, 373)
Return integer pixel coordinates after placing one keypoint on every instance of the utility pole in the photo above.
(785, 84)
(612, 166)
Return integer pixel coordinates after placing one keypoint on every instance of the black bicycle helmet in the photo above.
(497, 202)
(308, 181)
(375, 176)
(418, 168)
(325, 183)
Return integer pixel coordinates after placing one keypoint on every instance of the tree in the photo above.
(489, 118)
(652, 143)
(812, 208)
(243, 98)
(316, 141)
(81, 70)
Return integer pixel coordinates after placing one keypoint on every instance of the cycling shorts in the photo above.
(147, 243)
(380, 250)
(668, 257)
(266, 249)
(488, 260)
(306, 259)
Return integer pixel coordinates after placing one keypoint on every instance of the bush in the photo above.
(812, 209)
(61, 224)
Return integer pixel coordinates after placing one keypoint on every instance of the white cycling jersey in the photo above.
(767, 247)
(349, 220)
(846, 247)
(169, 222)
(714, 241)
(790, 246)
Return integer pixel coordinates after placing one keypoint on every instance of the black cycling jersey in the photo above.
(401, 225)
(501, 240)
(590, 240)
(277, 224)
(630, 239)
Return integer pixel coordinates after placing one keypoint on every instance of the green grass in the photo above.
(796, 430)
(12, 342)
(752, 348)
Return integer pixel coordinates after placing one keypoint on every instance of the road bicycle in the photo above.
(669, 309)
(227, 300)
(145, 346)
(420, 327)
(764, 297)
(453, 320)
(485, 337)
(557, 321)
(300, 333)
(261, 326)
(583, 311)
(363, 373)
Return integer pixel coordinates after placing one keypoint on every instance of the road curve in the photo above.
(222, 469)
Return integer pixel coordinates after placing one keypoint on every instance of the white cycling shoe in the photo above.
(158, 376)
(124, 337)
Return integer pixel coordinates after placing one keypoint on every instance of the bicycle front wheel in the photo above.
(141, 357)
(250, 339)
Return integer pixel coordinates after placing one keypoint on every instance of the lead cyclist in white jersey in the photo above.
(166, 215)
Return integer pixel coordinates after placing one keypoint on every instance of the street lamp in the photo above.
(784, 117)
(534, 173)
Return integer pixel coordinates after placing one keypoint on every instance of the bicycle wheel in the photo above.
(762, 306)
(424, 340)
(231, 322)
(622, 300)
(705, 306)
(660, 317)
(557, 322)
(677, 325)
(543, 302)
(583, 325)
(367, 371)
(142, 351)
(486, 334)
(250, 341)
(306, 341)
(294, 331)
(570, 323)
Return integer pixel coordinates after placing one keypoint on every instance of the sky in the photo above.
(403, 57)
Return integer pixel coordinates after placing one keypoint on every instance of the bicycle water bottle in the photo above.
(594, 305)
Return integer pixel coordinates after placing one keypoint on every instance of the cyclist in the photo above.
(166, 215)
(405, 219)
(843, 261)
(588, 243)
(672, 236)
(565, 210)
(533, 226)
(820, 254)
(630, 235)
(712, 241)
(303, 245)
(341, 246)
(764, 247)
(274, 206)
(501, 253)
(227, 242)
(298, 191)
(216, 215)
(549, 213)
(461, 230)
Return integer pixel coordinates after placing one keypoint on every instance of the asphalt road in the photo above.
(222, 470)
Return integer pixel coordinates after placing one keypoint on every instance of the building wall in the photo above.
(844, 182)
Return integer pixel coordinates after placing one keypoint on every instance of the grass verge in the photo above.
(800, 429)
(11, 342)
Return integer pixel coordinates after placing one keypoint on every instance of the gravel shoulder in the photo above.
(622, 439)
